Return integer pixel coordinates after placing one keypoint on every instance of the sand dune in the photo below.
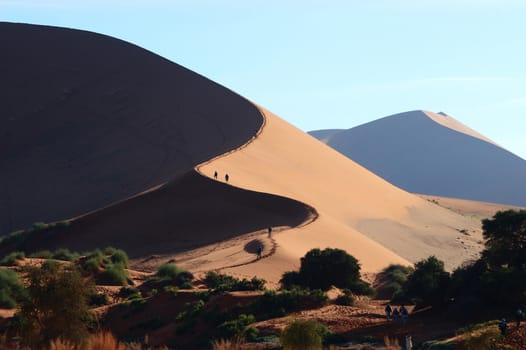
(109, 122)
(425, 152)
(87, 120)
(358, 211)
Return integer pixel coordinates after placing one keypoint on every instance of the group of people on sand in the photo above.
(226, 176)
(397, 315)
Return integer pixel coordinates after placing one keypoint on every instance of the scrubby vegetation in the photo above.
(171, 275)
(11, 288)
(497, 278)
(303, 335)
(55, 304)
(11, 258)
(220, 282)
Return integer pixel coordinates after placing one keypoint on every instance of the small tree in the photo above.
(321, 269)
(55, 305)
(303, 335)
(429, 282)
(11, 288)
(505, 236)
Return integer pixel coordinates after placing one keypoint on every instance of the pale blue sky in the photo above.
(332, 64)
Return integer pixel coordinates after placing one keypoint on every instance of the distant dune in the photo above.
(87, 120)
(434, 154)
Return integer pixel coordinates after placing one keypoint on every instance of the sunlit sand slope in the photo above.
(358, 211)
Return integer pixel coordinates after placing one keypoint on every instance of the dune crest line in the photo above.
(310, 219)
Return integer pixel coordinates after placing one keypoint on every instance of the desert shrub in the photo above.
(277, 304)
(170, 274)
(221, 282)
(11, 258)
(362, 288)
(114, 274)
(55, 305)
(42, 254)
(119, 256)
(64, 254)
(93, 262)
(429, 282)
(321, 269)
(302, 335)
(109, 250)
(238, 328)
(98, 299)
(167, 271)
(346, 298)
(186, 319)
(11, 288)
(393, 278)
(290, 280)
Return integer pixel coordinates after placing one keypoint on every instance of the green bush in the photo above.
(64, 254)
(346, 298)
(221, 282)
(11, 258)
(429, 282)
(11, 288)
(167, 271)
(98, 299)
(238, 328)
(93, 263)
(302, 335)
(170, 274)
(56, 305)
(277, 304)
(114, 274)
(119, 257)
(322, 269)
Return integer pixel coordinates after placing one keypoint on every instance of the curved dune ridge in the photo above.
(358, 211)
(429, 153)
(87, 120)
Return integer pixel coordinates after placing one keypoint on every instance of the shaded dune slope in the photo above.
(430, 153)
(87, 120)
(186, 213)
(104, 131)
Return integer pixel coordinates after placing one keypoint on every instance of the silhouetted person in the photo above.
(408, 342)
(388, 311)
(226, 177)
(269, 232)
(502, 326)
(404, 314)
(396, 314)
(518, 317)
(215, 175)
(259, 252)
